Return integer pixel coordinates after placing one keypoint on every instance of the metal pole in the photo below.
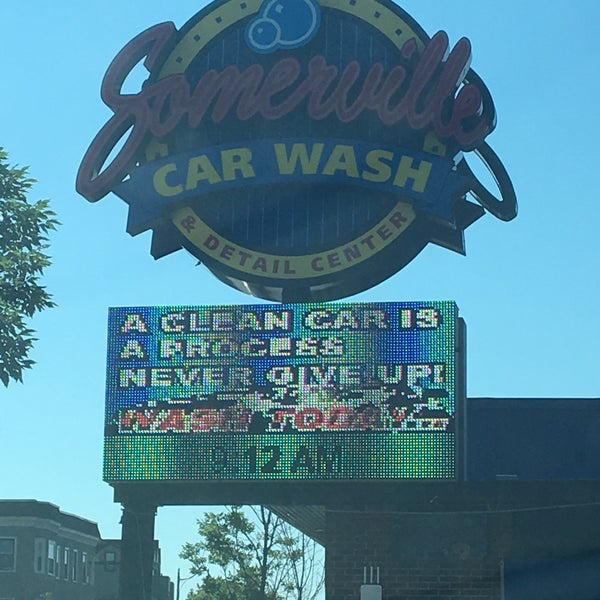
(178, 582)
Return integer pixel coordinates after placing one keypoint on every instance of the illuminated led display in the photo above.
(275, 392)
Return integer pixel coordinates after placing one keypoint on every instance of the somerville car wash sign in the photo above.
(301, 149)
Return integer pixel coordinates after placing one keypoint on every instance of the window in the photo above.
(65, 560)
(39, 555)
(8, 555)
(110, 561)
(85, 576)
(75, 566)
(58, 561)
(156, 561)
(52, 557)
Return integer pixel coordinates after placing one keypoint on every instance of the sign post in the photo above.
(137, 549)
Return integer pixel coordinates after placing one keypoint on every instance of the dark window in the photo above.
(39, 557)
(110, 561)
(52, 557)
(85, 575)
(75, 566)
(65, 563)
(8, 557)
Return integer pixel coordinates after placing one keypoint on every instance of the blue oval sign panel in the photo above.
(301, 149)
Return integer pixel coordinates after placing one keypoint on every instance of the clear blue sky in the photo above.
(527, 289)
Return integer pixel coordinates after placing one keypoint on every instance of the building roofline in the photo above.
(50, 511)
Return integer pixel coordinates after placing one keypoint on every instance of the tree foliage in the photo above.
(24, 228)
(257, 558)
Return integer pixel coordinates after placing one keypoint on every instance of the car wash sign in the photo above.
(300, 149)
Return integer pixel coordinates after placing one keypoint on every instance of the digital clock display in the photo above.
(291, 391)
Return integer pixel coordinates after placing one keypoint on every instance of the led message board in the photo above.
(282, 392)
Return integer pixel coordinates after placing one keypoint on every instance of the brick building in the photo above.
(522, 523)
(47, 554)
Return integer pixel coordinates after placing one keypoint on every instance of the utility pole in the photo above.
(179, 580)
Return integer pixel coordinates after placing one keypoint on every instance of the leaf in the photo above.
(259, 556)
(23, 243)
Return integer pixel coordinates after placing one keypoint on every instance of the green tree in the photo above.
(305, 575)
(24, 228)
(258, 558)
